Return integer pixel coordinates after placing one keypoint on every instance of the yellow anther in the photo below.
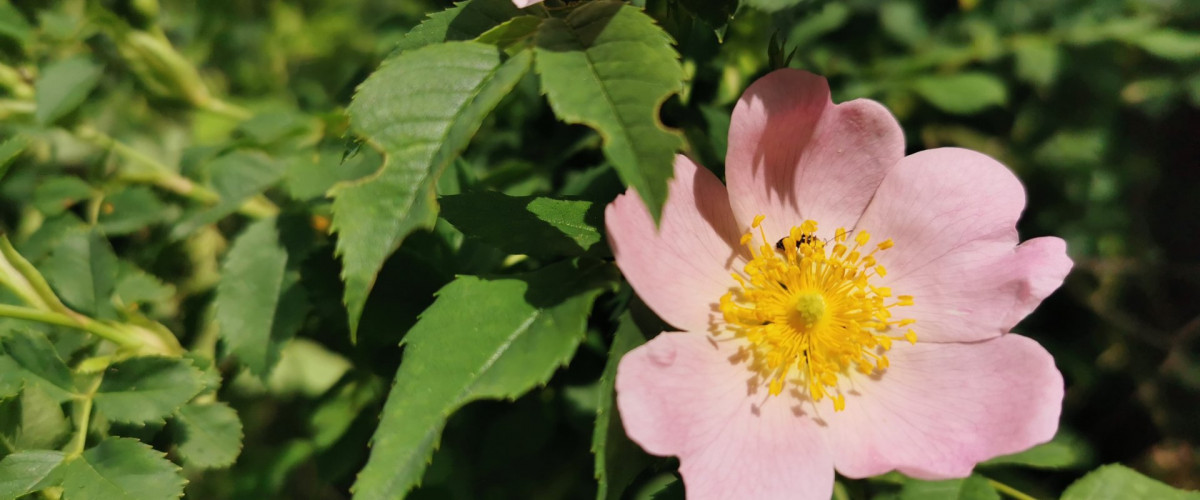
(840, 234)
(881, 271)
(758, 221)
(905, 300)
(911, 337)
(776, 387)
(839, 402)
(862, 238)
(886, 244)
(747, 238)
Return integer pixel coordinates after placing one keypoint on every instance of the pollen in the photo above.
(811, 313)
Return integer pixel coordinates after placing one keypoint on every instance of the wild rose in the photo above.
(839, 305)
(521, 4)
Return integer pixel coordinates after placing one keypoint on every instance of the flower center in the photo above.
(808, 305)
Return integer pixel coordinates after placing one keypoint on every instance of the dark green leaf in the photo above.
(122, 469)
(129, 210)
(715, 13)
(82, 269)
(962, 93)
(772, 5)
(310, 176)
(618, 460)
(974, 487)
(420, 108)
(1065, 451)
(56, 194)
(63, 85)
(146, 389)
(537, 226)
(608, 66)
(519, 331)
(1038, 60)
(465, 21)
(512, 31)
(25, 472)
(31, 358)
(1117, 482)
(135, 286)
(33, 420)
(10, 149)
(236, 177)
(260, 304)
(208, 435)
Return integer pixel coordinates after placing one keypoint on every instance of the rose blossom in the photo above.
(840, 306)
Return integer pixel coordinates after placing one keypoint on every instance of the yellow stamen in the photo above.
(811, 308)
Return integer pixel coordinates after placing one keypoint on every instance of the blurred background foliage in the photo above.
(172, 125)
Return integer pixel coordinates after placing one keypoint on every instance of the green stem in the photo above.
(1009, 490)
(82, 414)
(228, 110)
(75, 321)
(31, 287)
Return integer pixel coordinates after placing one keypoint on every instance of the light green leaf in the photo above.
(520, 329)
(55, 195)
(129, 210)
(146, 389)
(31, 358)
(135, 286)
(903, 21)
(608, 66)
(420, 108)
(25, 472)
(310, 176)
(13, 23)
(208, 435)
(64, 85)
(618, 460)
(772, 5)
(122, 469)
(260, 304)
(236, 177)
(1117, 482)
(974, 487)
(10, 149)
(962, 93)
(1170, 44)
(531, 225)
(82, 269)
(33, 420)
(465, 21)
(1038, 60)
(1065, 451)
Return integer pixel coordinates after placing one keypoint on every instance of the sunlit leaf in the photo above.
(208, 435)
(531, 225)
(1117, 482)
(464, 21)
(25, 472)
(63, 85)
(29, 357)
(962, 93)
(1065, 451)
(121, 469)
(146, 389)
(974, 487)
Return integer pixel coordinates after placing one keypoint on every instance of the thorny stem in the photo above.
(1009, 490)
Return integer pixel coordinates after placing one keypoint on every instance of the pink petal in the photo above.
(794, 155)
(941, 408)
(952, 214)
(525, 3)
(681, 269)
(680, 394)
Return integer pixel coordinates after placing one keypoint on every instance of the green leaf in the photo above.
(1171, 44)
(772, 5)
(903, 21)
(310, 176)
(55, 195)
(1117, 482)
(135, 286)
(208, 435)
(25, 472)
(512, 31)
(10, 149)
(236, 177)
(531, 225)
(420, 108)
(618, 460)
(13, 23)
(1038, 60)
(963, 93)
(122, 469)
(520, 329)
(31, 358)
(260, 304)
(715, 13)
(34, 420)
(64, 85)
(465, 21)
(1065, 451)
(130, 210)
(146, 389)
(974, 487)
(608, 66)
(82, 269)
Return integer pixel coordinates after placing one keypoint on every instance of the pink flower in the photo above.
(839, 305)
(521, 4)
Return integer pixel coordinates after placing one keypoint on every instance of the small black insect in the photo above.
(807, 238)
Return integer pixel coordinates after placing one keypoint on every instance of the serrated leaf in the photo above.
(135, 286)
(531, 225)
(511, 31)
(618, 460)
(56, 194)
(146, 389)
(25, 472)
(420, 108)
(260, 304)
(1065, 451)
(31, 358)
(208, 435)
(236, 177)
(1117, 482)
(962, 93)
(465, 21)
(519, 331)
(129, 210)
(973, 487)
(310, 176)
(10, 149)
(82, 269)
(608, 66)
(122, 469)
(33, 420)
(64, 85)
